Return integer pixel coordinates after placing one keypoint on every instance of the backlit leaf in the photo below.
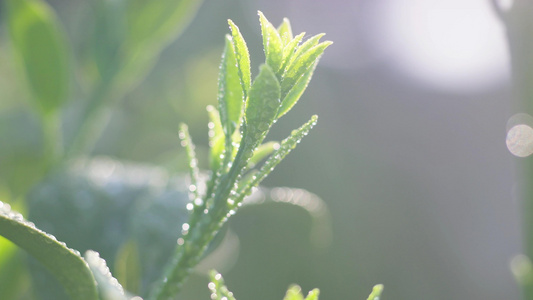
(64, 263)
(272, 43)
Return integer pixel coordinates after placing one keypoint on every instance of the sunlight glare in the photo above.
(452, 45)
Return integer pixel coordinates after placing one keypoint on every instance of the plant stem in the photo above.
(198, 237)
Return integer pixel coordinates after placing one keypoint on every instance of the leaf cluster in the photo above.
(239, 157)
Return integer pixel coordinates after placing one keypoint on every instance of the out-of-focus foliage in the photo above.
(130, 214)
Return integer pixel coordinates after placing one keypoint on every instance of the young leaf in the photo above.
(376, 292)
(218, 290)
(272, 43)
(108, 286)
(288, 52)
(300, 66)
(230, 92)
(186, 142)
(313, 41)
(313, 294)
(296, 91)
(294, 293)
(64, 263)
(38, 38)
(285, 31)
(243, 57)
(261, 152)
(285, 148)
(216, 139)
(261, 107)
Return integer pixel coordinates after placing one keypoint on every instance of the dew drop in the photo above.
(211, 285)
(520, 140)
(190, 206)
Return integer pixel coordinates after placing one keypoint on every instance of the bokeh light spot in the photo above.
(520, 140)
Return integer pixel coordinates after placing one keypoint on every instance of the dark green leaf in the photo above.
(64, 263)
(39, 40)
(272, 43)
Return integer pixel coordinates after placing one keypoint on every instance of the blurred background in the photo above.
(409, 152)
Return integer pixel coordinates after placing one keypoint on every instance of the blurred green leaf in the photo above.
(13, 275)
(313, 294)
(128, 266)
(108, 35)
(151, 26)
(21, 151)
(66, 264)
(272, 43)
(103, 205)
(39, 41)
(294, 293)
(376, 292)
